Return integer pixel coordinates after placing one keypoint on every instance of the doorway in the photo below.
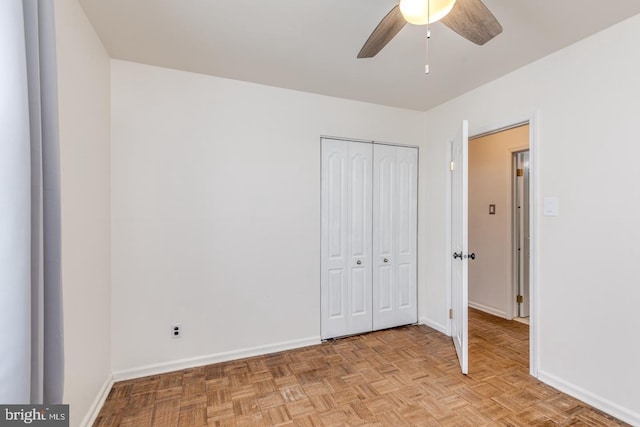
(498, 216)
(457, 300)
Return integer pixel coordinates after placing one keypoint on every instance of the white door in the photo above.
(459, 243)
(346, 238)
(395, 180)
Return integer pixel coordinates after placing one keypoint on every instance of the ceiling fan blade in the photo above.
(384, 32)
(473, 21)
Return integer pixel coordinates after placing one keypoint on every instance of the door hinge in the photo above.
(450, 313)
(452, 166)
(520, 172)
(519, 299)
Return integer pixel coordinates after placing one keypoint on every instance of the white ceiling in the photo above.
(311, 45)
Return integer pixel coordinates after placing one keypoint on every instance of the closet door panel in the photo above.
(394, 244)
(346, 238)
(336, 290)
(360, 285)
(384, 289)
(384, 235)
(384, 180)
(407, 208)
(334, 239)
(359, 243)
(405, 300)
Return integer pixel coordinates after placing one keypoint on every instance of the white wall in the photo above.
(216, 212)
(84, 98)
(588, 100)
(490, 236)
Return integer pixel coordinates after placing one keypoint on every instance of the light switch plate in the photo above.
(550, 206)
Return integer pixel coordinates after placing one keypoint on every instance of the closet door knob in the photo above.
(386, 260)
(358, 262)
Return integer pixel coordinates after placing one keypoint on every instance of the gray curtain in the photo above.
(31, 351)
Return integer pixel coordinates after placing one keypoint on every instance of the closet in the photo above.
(368, 237)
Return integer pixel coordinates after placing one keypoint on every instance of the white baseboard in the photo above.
(598, 402)
(177, 365)
(488, 309)
(94, 410)
(435, 325)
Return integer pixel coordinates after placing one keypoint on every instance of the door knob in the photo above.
(472, 255)
(457, 255)
(386, 260)
(358, 262)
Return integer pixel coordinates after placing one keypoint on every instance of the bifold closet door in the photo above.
(395, 208)
(346, 238)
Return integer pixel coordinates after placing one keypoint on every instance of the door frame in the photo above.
(487, 128)
(513, 290)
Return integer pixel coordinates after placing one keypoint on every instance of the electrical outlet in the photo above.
(176, 330)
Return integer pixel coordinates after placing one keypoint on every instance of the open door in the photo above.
(459, 243)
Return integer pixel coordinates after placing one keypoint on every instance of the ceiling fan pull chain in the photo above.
(426, 66)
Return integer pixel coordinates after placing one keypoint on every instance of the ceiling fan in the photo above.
(469, 18)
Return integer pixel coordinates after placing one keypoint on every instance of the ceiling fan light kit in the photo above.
(469, 18)
(423, 12)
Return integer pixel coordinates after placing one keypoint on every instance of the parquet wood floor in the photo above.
(405, 376)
